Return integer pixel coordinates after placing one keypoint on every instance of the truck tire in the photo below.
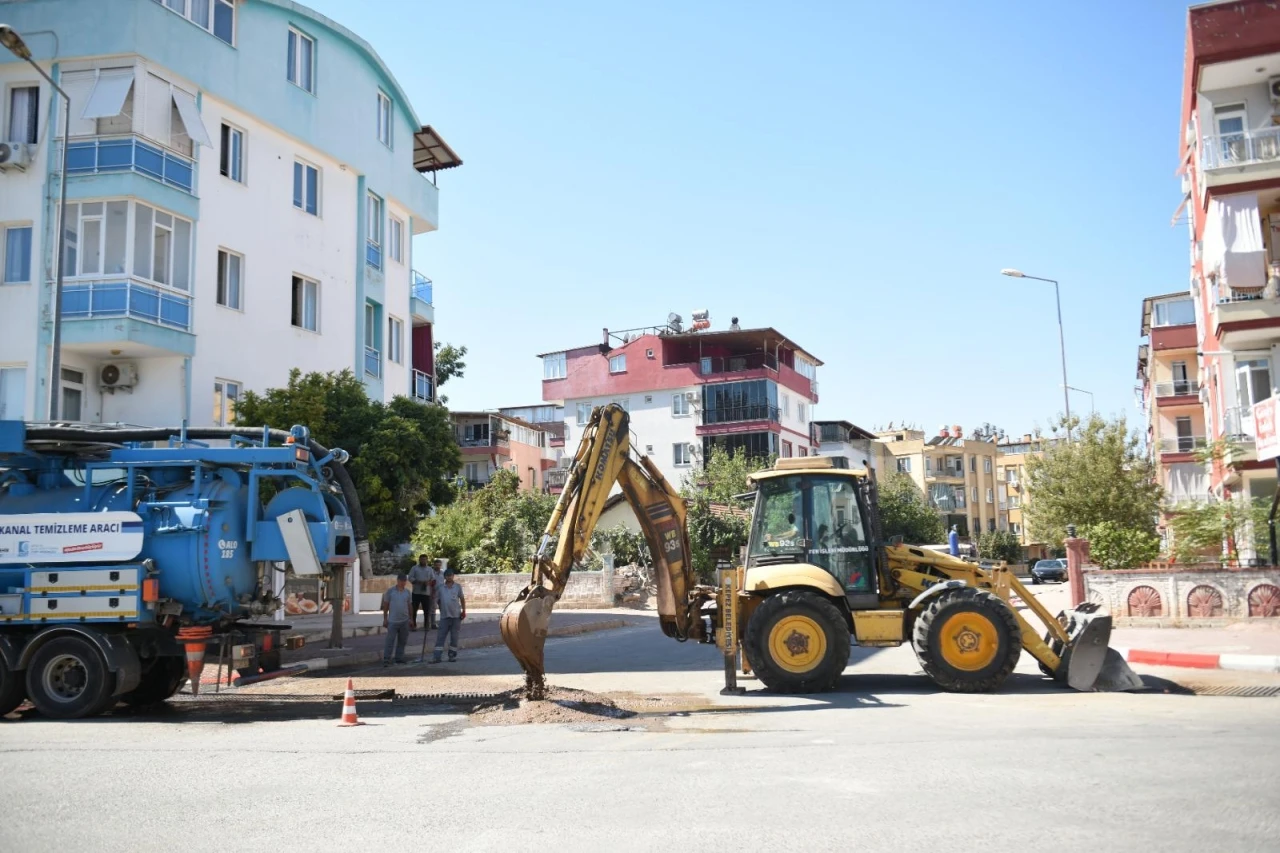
(967, 640)
(165, 678)
(67, 679)
(797, 642)
(12, 690)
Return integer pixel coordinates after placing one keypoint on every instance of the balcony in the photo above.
(737, 363)
(740, 414)
(126, 316)
(1180, 392)
(1182, 444)
(1251, 155)
(110, 154)
(948, 473)
(1243, 320)
(372, 362)
(553, 479)
(420, 302)
(499, 443)
(423, 387)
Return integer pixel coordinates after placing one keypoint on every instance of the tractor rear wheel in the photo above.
(162, 680)
(797, 642)
(967, 640)
(68, 679)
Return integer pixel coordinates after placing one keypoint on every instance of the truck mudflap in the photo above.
(1088, 662)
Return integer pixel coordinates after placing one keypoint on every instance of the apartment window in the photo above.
(624, 402)
(225, 396)
(680, 455)
(986, 464)
(24, 114)
(72, 395)
(973, 465)
(396, 246)
(231, 159)
(618, 363)
(786, 450)
(1231, 120)
(679, 405)
(98, 240)
(302, 55)
(306, 187)
(215, 16)
(802, 412)
(169, 114)
(373, 249)
(395, 340)
(991, 496)
(1174, 312)
(804, 451)
(13, 393)
(230, 269)
(1015, 527)
(15, 254)
(973, 493)
(991, 525)
(384, 119)
(584, 413)
(554, 366)
(306, 304)
(904, 464)
(786, 405)
(1253, 381)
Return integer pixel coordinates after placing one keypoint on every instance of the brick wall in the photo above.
(585, 590)
(1185, 595)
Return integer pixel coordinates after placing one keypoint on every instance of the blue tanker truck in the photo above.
(126, 553)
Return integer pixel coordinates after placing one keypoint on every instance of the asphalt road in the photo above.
(884, 763)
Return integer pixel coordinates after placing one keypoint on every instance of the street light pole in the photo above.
(10, 39)
(1082, 391)
(1062, 339)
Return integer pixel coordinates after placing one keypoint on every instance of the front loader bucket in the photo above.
(524, 629)
(1088, 663)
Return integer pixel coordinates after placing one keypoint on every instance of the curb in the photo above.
(1238, 663)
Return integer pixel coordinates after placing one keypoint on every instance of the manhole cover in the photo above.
(1253, 691)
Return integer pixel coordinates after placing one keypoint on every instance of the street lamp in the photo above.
(1082, 391)
(1062, 341)
(10, 39)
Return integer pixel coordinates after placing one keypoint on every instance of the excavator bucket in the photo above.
(1088, 663)
(524, 629)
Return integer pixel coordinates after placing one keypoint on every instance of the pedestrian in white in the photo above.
(453, 609)
(437, 581)
(396, 602)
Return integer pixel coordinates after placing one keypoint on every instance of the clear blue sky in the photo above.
(854, 174)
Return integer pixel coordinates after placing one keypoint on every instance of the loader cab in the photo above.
(814, 515)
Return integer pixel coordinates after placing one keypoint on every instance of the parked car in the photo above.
(1049, 570)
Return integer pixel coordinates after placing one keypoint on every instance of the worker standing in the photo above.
(953, 541)
(437, 581)
(421, 576)
(453, 609)
(396, 602)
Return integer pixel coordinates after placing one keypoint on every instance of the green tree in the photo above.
(1000, 545)
(449, 364)
(403, 454)
(905, 511)
(494, 529)
(626, 546)
(1218, 529)
(1116, 547)
(1101, 475)
(713, 532)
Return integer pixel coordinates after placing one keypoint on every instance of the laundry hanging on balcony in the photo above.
(1233, 246)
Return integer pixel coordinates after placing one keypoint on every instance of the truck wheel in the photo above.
(68, 679)
(967, 640)
(11, 689)
(798, 642)
(164, 679)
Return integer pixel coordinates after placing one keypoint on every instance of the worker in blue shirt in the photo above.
(953, 541)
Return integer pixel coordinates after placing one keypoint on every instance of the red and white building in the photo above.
(748, 390)
(1230, 168)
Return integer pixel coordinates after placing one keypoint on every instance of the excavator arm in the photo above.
(603, 459)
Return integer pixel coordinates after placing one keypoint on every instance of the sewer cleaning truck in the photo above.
(126, 553)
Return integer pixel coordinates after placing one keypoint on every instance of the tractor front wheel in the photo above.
(967, 640)
(797, 642)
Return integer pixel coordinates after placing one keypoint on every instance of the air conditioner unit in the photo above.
(691, 396)
(1273, 87)
(694, 449)
(15, 155)
(118, 374)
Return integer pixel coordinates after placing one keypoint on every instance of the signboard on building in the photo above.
(1264, 425)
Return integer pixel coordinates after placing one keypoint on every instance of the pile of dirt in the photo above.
(562, 705)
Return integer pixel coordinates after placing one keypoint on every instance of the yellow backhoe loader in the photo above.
(818, 575)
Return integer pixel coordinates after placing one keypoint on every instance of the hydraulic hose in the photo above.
(108, 435)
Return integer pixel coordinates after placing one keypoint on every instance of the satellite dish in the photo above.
(675, 321)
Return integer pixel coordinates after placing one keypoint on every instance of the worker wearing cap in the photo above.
(420, 576)
(396, 602)
(453, 609)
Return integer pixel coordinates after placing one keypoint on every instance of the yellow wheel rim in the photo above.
(797, 643)
(968, 641)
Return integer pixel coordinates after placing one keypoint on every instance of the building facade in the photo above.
(492, 442)
(745, 390)
(243, 181)
(557, 458)
(957, 474)
(858, 447)
(1230, 168)
(1011, 474)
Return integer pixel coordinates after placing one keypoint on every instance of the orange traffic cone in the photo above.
(349, 707)
(195, 639)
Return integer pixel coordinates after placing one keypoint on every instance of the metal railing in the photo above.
(493, 440)
(1177, 388)
(1260, 145)
(945, 472)
(423, 387)
(555, 478)
(86, 300)
(372, 361)
(1237, 424)
(709, 365)
(1182, 444)
(1197, 499)
(102, 154)
(733, 414)
(421, 287)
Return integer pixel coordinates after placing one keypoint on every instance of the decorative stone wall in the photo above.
(585, 589)
(1185, 595)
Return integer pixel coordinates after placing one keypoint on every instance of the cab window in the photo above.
(838, 542)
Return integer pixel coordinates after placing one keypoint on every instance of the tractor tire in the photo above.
(165, 678)
(797, 642)
(967, 640)
(67, 679)
(12, 690)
